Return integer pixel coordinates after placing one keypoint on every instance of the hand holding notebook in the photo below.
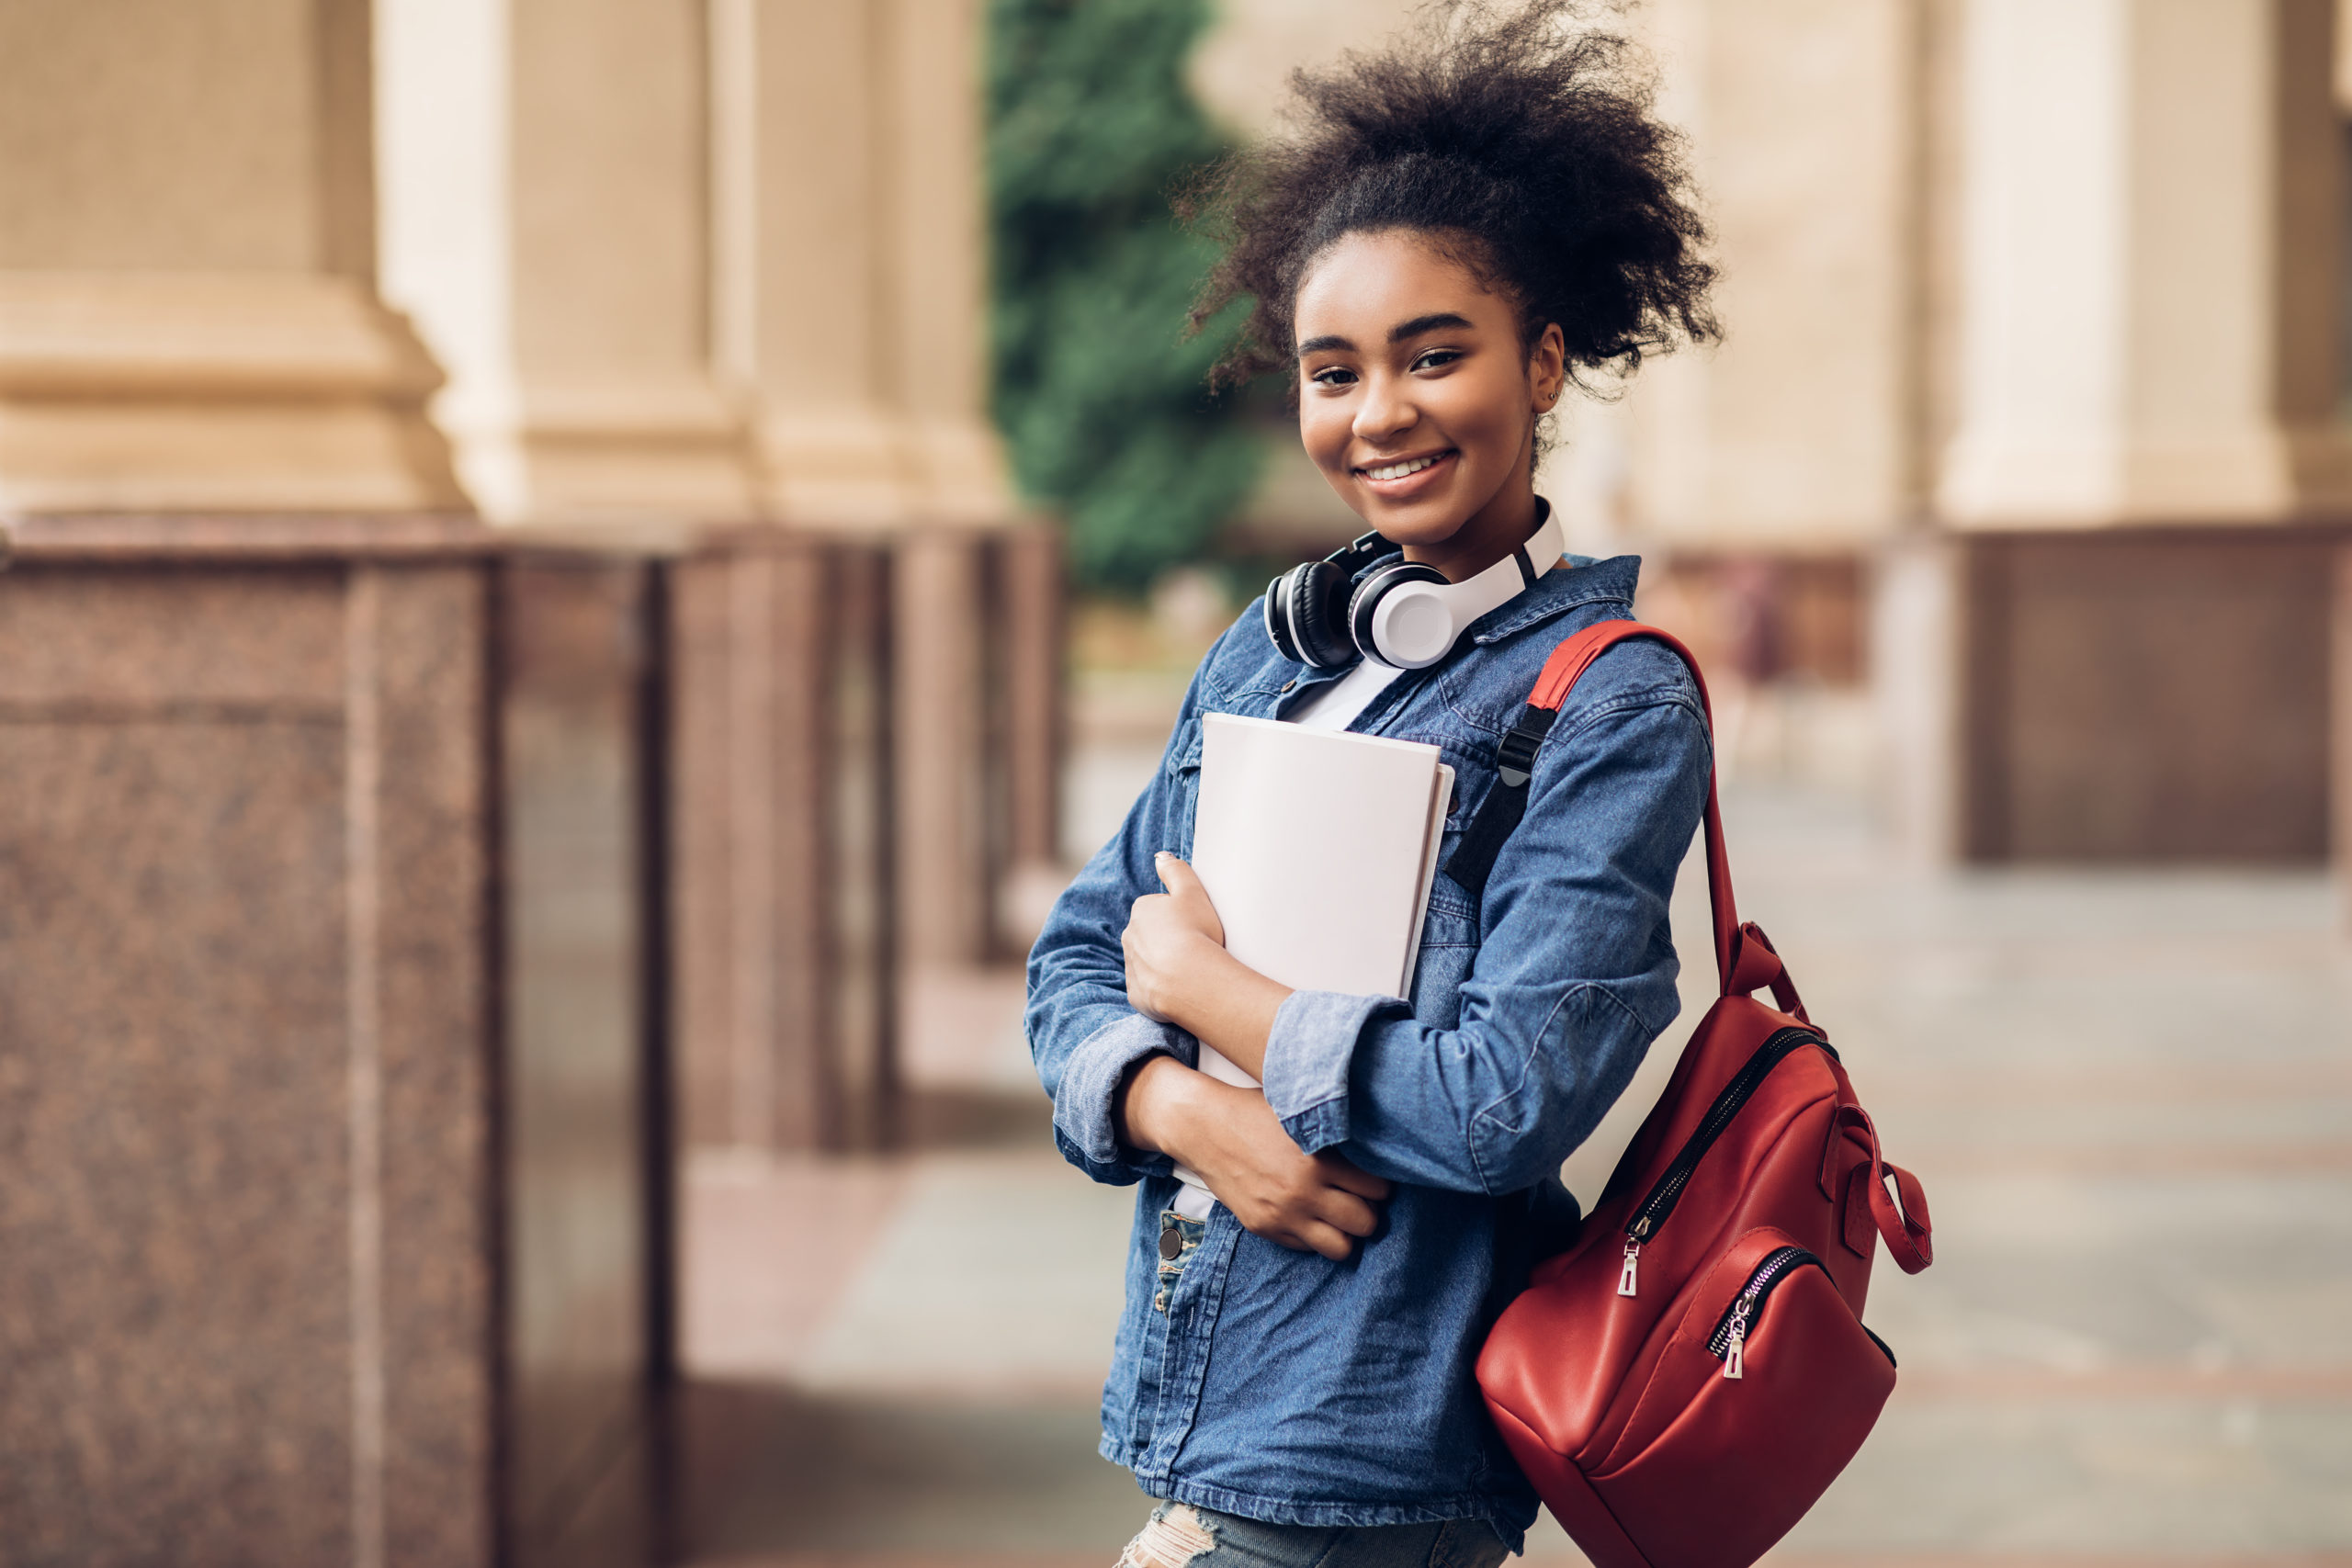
(1317, 849)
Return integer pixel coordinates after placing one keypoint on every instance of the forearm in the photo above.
(1227, 1136)
(1225, 1005)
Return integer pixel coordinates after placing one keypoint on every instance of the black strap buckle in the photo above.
(1515, 759)
(1475, 851)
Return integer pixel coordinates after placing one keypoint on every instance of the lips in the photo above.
(1400, 478)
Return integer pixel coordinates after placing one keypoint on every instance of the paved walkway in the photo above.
(2129, 1094)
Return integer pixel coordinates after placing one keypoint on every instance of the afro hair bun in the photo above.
(1525, 142)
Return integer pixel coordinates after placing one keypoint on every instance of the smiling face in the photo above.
(1418, 399)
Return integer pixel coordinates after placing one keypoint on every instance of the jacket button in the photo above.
(1287, 686)
(1171, 1242)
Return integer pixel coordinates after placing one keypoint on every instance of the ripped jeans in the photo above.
(1181, 1535)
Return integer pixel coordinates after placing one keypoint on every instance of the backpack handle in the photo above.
(1744, 956)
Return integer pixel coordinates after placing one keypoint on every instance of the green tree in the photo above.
(1102, 401)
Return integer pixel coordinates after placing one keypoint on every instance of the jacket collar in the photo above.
(1576, 580)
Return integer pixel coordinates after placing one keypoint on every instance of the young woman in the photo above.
(1455, 232)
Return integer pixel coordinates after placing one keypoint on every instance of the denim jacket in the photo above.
(1280, 1385)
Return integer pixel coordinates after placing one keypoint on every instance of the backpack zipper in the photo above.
(1728, 1344)
(1667, 1192)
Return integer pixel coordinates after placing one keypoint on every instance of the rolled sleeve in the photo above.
(1086, 1098)
(1309, 1054)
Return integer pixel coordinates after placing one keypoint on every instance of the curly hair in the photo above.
(1523, 143)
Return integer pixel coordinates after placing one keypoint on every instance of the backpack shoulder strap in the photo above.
(1742, 965)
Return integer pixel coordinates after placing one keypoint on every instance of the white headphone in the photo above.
(1405, 615)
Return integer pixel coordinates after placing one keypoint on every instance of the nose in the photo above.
(1387, 410)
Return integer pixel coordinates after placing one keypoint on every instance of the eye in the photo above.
(1334, 376)
(1435, 358)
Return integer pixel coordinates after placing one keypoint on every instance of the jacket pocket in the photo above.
(1183, 767)
(1449, 947)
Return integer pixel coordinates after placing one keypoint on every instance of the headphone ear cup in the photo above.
(1317, 609)
(1368, 595)
(1278, 630)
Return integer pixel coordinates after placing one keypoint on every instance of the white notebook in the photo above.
(1318, 849)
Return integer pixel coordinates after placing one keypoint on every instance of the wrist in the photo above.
(1152, 1105)
(1203, 969)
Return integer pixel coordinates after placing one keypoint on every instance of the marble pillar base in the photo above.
(332, 1230)
(2143, 695)
(2340, 729)
(866, 739)
(781, 834)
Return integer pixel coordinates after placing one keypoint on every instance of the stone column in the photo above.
(1030, 611)
(2146, 370)
(331, 977)
(187, 310)
(850, 304)
(1760, 476)
(2151, 203)
(937, 349)
(802, 288)
(780, 746)
(249, 1014)
(849, 290)
(546, 221)
(331, 971)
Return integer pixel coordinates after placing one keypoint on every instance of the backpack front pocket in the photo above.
(1766, 1388)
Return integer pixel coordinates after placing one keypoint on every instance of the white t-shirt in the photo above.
(1337, 704)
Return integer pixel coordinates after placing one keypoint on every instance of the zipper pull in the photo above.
(1632, 1263)
(1735, 1354)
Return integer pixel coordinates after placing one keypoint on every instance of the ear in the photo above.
(1547, 369)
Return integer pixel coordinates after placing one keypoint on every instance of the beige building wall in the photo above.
(1241, 70)
(1241, 67)
(1801, 429)
(188, 312)
(1797, 429)
(2145, 371)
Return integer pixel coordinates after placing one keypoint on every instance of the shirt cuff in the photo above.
(1308, 1054)
(1090, 1087)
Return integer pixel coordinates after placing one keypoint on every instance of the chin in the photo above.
(1428, 523)
(1421, 536)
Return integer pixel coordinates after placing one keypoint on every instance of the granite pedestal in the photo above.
(2118, 695)
(330, 1117)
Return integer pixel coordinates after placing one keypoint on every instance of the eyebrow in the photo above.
(1428, 323)
(1396, 333)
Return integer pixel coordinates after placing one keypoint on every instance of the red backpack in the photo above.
(1686, 1381)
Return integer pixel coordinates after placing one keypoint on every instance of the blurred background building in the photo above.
(540, 702)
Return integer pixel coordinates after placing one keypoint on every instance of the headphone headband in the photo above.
(1360, 552)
